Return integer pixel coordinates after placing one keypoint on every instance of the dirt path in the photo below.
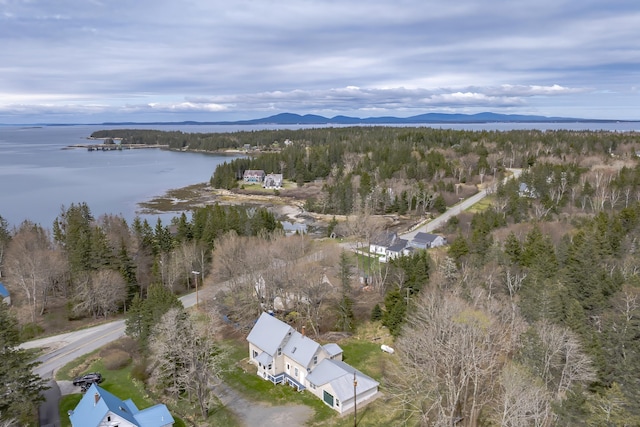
(259, 414)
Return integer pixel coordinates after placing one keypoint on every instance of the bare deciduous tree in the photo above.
(187, 362)
(450, 354)
(100, 293)
(523, 402)
(33, 265)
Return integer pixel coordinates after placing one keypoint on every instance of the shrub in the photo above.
(139, 371)
(30, 330)
(116, 359)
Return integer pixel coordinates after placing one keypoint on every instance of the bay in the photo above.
(38, 175)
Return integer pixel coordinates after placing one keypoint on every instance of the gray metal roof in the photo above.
(268, 333)
(264, 358)
(398, 246)
(332, 349)
(301, 348)
(340, 376)
(425, 237)
(384, 239)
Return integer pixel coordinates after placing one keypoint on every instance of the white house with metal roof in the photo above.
(284, 355)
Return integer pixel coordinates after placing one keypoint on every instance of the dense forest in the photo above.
(529, 317)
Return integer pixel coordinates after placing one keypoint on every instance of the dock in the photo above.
(117, 147)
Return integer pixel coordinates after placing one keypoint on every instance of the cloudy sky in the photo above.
(89, 61)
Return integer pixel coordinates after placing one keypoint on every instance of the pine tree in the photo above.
(20, 389)
(346, 318)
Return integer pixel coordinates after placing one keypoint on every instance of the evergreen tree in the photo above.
(346, 318)
(144, 314)
(395, 312)
(20, 389)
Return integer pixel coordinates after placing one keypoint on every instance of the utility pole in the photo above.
(195, 279)
(355, 401)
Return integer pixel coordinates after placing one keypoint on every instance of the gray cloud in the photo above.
(238, 59)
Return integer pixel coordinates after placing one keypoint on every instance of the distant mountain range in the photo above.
(433, 118)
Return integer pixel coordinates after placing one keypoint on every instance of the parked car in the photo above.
(86, 380)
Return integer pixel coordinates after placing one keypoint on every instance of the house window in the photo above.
(280, 351)
(295, 372)
(269, 366)
(288, 367)
(109, 418)
(255, 354)
(315, 359)
(337, 402)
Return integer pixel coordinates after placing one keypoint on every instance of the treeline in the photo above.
(408, 170)
(521, 324)
(99, 265)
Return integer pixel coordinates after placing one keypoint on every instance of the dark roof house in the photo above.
(427, 240)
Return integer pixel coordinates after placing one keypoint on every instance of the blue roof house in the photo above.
(99, 408)
(286, 356)
(4, 294)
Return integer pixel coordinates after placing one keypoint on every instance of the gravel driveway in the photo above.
(259, 414)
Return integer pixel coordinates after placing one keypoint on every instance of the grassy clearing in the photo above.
(482, 205)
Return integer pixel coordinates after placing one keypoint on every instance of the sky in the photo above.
(94, 61)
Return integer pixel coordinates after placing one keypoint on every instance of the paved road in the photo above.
(61, 349)
(465, 204)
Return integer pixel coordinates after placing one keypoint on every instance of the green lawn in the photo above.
(360, 353)
(120, 383)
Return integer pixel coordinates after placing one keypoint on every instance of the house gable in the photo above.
(381, 242)
(269, 334)
(427, 240)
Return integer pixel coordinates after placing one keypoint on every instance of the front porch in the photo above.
(281, 379)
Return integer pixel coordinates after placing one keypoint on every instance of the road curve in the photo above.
(58, 350)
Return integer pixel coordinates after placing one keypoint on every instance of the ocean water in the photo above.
(38, 175)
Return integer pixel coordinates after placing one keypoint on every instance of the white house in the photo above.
(284, 355)
(381, 242)
(399, 248)
(253, 176)
(99, 408)
(273, 180)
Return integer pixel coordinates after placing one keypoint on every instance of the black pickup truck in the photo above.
(86, 380)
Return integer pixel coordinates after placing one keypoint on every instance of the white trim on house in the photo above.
(284, 355)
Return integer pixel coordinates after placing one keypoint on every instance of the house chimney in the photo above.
(304, 331)
(96, 398)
